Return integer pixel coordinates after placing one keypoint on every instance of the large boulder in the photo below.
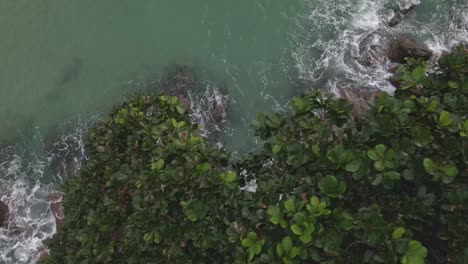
(361, 98)
(401, 47)
(4, 214)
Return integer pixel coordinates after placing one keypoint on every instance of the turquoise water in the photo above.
(63, 58)
(63, 64)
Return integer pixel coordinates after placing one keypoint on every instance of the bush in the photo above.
(331, 189)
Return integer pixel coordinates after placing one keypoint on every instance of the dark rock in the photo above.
(361, 98)
(399, 14)
(4, 214)
(180, 79)
(394, 81)
(219, 108)
(396, 19)
(370, 55)
(57, 210)
(406, 11)
(401, 47)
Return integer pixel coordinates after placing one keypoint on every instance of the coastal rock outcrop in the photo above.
(361, 99)
(396, 47)
(180, 80)
(400, 47)
(57, 210)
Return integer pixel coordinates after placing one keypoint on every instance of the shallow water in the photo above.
(63, 62)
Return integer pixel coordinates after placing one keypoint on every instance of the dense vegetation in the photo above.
(331, 188)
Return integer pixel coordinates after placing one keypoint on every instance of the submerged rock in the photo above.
(209, 109)
(4, 214)
(401, 47)
(180, 80)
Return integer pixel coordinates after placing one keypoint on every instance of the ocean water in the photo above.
(63, 64)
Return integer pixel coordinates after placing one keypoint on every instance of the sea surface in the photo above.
(64, 64)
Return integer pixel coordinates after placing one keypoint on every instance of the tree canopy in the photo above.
(391, 187)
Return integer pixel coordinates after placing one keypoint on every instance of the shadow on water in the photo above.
(68, 75)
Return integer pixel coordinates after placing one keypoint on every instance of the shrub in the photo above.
(391, 188)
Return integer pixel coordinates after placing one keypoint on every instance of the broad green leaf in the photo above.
(204, 167)
(314, 201)
(252, 236)
(290, 206)
(378, 180)
(341, 187)
(415, 254)
(419, 74)
(379, 165)
(449, 169)
(247, 242)
(158, 165)
(305, 238)
(372, 154)
(463, 129)
(299, 218)
(230, 177)
(276, 149)
(316, 150)
(453, 84)
(279, 250)
(299, 104)
(273, 210)
(432, 106)
(390, 164)
(287, 243)
(293, 252)
(380, 150)
(331, 186)
(444, 119)
(353, 166)
(283, 223)
(398, 233)
(180, 109)
(297, 230)
(430, 166)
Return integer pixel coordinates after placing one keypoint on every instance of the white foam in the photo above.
(25, 188)
(339, 31)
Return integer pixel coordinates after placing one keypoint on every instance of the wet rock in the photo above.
(361, 98)
(219, 107)
(396, 19)
(401, 47)
(180, 81)
(41, 256)
(4, 214)
(370, 55)
(394, 81)
(57, 210)
(399, 14)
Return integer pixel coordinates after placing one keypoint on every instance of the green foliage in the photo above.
(392, 188)
(413, 73)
